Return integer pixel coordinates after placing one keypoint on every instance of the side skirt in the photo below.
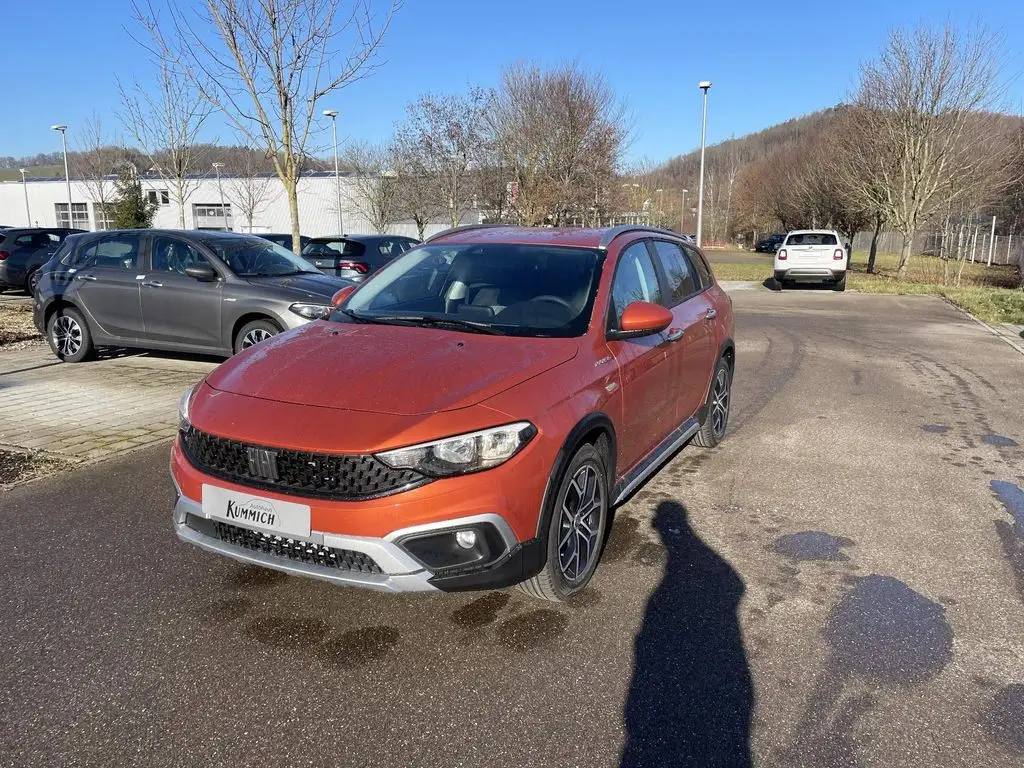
(662, 453)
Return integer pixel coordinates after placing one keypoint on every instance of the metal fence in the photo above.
(973, 244)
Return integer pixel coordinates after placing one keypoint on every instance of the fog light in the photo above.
(466, 539)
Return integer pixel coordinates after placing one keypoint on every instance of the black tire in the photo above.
(69, 335)
(31, 281)
(570, 566)
(716, 412)
(840, 284)
(253, 333)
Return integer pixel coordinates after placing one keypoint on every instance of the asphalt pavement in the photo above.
(841, 583)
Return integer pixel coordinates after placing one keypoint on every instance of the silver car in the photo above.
(196, 291)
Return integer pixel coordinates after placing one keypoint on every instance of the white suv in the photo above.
(812, 255)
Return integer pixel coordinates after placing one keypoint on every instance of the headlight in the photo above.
(458, 455)
(183, 405)
(311, 311)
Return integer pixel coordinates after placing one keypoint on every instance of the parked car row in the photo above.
(24, 250)
(465, 419)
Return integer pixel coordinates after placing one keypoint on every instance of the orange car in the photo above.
(467, 417)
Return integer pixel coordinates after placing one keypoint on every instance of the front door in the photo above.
(175, 307)
(106, 285)
(644, 363)
(694, 352)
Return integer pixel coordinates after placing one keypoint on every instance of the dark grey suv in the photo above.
(209, 292)
(24, 250)
(355, 257)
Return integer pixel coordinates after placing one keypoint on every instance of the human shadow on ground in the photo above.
(691, 698)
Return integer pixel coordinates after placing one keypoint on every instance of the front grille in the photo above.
(318, 475)
(290, 549)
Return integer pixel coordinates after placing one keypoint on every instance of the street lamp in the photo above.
(333, 114)
(705, 86)
(28, 213)
(67, 176)
(661, 203)
(223, 208)
(682, 213)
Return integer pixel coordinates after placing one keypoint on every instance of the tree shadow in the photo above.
(691, 698)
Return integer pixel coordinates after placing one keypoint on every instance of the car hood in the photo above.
(312, 285)
(391, 369)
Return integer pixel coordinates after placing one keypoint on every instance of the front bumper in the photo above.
(395, 569)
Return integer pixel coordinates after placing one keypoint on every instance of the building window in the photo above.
(158, 197)
(212, 215)
(103, 215)
(80, 212)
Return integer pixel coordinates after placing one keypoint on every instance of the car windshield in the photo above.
(518, 290)
(256, 257)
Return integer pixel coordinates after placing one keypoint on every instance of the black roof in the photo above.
(359, 238)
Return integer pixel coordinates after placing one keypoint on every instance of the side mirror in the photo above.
(341, 295)
(204, 273)
(641, 318)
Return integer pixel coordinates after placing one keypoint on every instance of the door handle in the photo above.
(711, 314)
(674, 334)
(86, 277)
(154, 284)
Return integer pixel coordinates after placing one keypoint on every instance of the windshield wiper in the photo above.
(467, 325)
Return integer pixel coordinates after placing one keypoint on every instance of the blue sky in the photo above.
(769, 61)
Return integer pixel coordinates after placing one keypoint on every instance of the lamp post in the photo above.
(223, 209)
(682, 213)
(661, 204)
(28, 213)
(333, 114)
(67, 176)
(705, 86)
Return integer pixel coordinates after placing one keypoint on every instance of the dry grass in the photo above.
(16, 327)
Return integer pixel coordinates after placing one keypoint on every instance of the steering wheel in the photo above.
(553, 300)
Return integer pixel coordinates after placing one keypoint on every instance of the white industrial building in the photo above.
(44, 203)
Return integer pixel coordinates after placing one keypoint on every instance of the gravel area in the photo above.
(16, 328)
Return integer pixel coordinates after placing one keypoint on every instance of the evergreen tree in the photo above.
(131, 209)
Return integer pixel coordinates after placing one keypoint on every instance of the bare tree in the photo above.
(377, 183)
(266, 64)
(925, 128)
(166, 121)
(96, 160)
(417, 195)
(444, 139)
(249, 188)
(560, 134)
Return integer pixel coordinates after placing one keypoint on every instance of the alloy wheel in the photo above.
(720, 403)
(255, 336)
(67, 336)
(580, 523)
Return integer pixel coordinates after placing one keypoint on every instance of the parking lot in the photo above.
(841, 583)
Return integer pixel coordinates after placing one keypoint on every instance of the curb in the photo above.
(1016, 344)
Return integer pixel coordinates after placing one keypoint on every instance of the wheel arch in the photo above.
(242, 320)
(52, 308)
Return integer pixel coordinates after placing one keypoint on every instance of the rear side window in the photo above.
(115, 252)
(635, 280)
(682, 282)
(812, 238)
(703, 270)
(334, 248)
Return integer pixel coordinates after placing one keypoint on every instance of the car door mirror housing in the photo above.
(341, 295)
(204, 273)
(641, 318)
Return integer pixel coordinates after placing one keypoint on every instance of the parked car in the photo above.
(210, 292)
(690, 238)
(771, 243)
(468, 418)
(284, 239)
(355, 257)
(24, 250)
(812, 255)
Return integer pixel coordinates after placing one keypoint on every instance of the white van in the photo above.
(812, 255)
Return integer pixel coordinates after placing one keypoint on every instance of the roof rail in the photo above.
(464, 228)
(613, 232)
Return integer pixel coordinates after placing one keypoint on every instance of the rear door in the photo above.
(691, 354)
(175, 307)
(644, 363)
(106, 284)
(811, 249)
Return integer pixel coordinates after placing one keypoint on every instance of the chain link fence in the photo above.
(971, 244)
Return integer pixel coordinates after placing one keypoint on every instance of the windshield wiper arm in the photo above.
(468, 325)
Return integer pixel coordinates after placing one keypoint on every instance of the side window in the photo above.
(115, 252)
(635, 280)
(23, 240)
(681, 282)
(703, 271)
(171, 255)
